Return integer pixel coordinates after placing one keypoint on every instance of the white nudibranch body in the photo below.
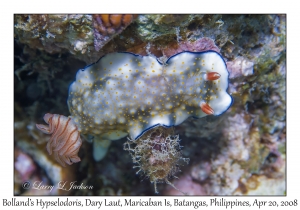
(125, 94)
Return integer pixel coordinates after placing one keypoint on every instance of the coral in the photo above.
(270, 182)
(241, 154)
(51, 173)
(236, 36)
(157, 154)
(107, 26)
(78, 35)
(186, 184)
(201, 172)
(24, 165)
(200, 45)
(240, 67)
(161, 51)
(151, 27)
(241, 158)
(54, 33)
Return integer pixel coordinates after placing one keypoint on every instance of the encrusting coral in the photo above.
(81, 35)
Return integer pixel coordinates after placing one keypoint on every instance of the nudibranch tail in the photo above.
(65, 141)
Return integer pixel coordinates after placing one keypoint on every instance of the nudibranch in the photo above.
(65, 141)
(124, 93)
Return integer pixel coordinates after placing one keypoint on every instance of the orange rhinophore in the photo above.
(210, 76)
(65, 141)
(206, 108)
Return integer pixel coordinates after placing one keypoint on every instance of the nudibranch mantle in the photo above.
(124, 93)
